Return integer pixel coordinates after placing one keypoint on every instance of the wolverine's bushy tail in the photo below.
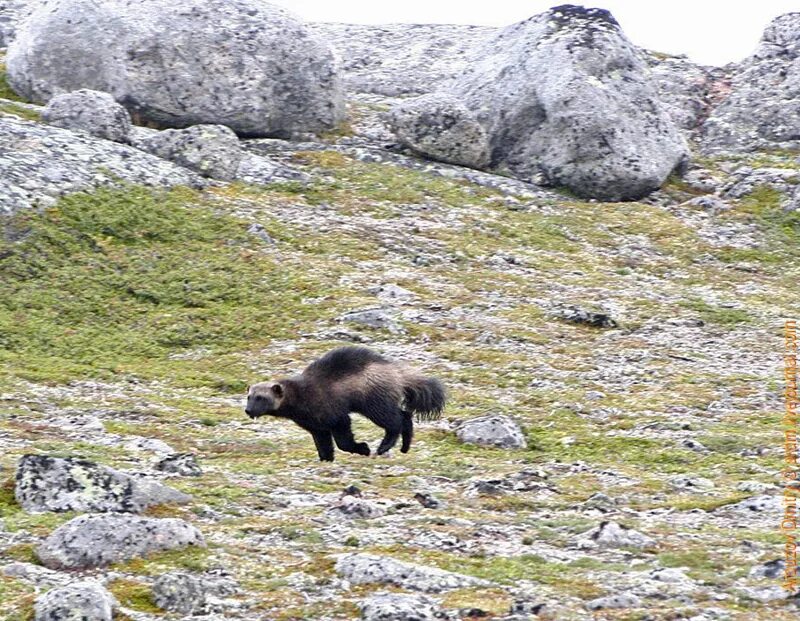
(424, 397)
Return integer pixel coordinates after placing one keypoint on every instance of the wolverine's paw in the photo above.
(362, 448)
(405, 449)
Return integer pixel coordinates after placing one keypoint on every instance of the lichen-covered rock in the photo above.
(191, 594)
(443, 128)
(370, 568)
(398, 607)
(184, 464)
(614, 535)
(40, 163)
(762, 109)
(492, 430)
(566, 95)
(99, 540)
(179, 592)
(246, 64)
(211, 150)
(94, 112)
(79, 601)
(66, 484)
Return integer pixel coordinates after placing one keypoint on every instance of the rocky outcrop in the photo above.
(54, 484)
(566, 95)
(99, 540)
(245, 64)
(492, 430)
(370, 568)
(39, 163)
(79, 601)
(211, 150)
(94, 112)
(762, 109)
(11, 13)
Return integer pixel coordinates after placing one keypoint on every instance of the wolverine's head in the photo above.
(264, 398)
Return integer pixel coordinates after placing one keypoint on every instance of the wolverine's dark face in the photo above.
(263, 399)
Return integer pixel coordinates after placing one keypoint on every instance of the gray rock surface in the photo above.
(762, 109)
(492, 430)
(211, 150)
(402, 59)
(79, 601)
(98, 540)
(398, 607)
(443, 128)
(371, 568)
(94, 112)
(246, 64)
(39, 163)
(566, 95)
(11, 13)
(55, 484)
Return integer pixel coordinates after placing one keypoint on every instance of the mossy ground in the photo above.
(154, 309)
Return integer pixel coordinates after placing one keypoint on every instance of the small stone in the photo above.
(429, 501)
(692, 484)
(771, 569)
(352, 490)
(184, 464)
(573, 314)
(259, 231)
(492, 430)
(756, 504)
(614, 601)
(669, 575)
(373, 318)
(614, 535)
(79, 601)
(353, 507)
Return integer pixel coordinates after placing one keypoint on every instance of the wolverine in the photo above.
(345, 380)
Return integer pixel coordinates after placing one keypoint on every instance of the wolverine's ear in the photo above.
(277, 390)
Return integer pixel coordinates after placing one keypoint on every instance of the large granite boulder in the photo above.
(492, 430)
(246, 64)
(46, 483)
(93, 112)
(566, 96)
(762, 109)
(91, 541)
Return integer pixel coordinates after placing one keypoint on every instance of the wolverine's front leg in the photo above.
(324, 443)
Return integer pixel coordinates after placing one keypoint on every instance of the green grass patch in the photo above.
(117, 280)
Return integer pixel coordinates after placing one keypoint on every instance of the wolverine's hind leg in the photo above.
(392, 427)
(324, 444)
(343, 435)
(407, 431)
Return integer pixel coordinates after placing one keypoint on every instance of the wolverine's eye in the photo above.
(259, 398)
